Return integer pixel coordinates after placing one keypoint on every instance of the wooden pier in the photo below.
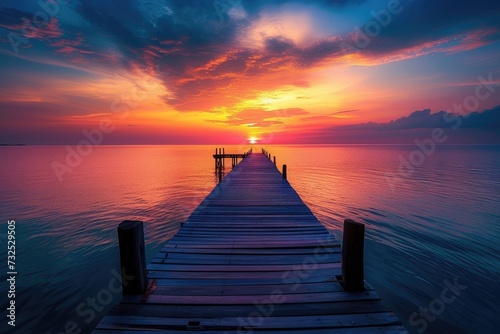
(220, 158)
(251, 258)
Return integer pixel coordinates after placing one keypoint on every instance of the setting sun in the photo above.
(252, 140)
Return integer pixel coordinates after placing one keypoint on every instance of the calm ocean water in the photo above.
(437, 227)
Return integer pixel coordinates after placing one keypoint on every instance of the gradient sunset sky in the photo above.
(223, 71)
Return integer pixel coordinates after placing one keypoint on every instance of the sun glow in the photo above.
(252, 140)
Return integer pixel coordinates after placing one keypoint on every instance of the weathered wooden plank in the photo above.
(326, 273)
(218, 311)
(282, 231)
(285, 298)
(252, 244)
(309, 254)
(237, 268)
(248, 290)
(334, 247)
(236, 263)
(298, 322)
(241, 281)
(201, 229)
(263, 259)
(242, 239)
(242, 289)
(394, 329)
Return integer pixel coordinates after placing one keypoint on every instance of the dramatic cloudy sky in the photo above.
(222, 71)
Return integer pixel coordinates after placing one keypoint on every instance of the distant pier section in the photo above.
(220, 158)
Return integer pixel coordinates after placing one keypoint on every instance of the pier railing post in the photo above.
(215, 158)
(132, 257)
(352, 256)
(274, 160)
(284, 172)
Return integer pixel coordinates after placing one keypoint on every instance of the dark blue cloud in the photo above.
(425, 21)
(425, 119)
(132, 26)
(476, 128)
(256, 6)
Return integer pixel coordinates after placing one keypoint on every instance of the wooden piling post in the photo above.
(132, 257)
(284, 172)
(352, 256)
(274, 160)
(219, 165)
(223, 160)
